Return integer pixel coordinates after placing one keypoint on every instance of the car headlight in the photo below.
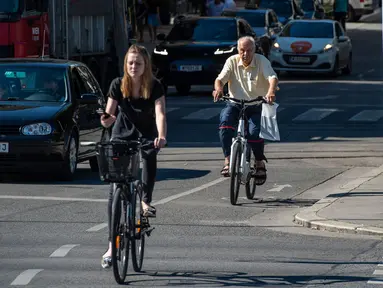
(276, 47)
(327, 47)
(160, 52)
(219, 52)
(37, 129)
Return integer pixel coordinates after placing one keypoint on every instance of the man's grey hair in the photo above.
(246, 38)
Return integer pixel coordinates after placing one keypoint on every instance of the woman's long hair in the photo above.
(146, 78)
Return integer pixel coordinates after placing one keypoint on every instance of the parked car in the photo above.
(312, 46)
(264, 22)
(195, 50)
(47, 108)
(286, 10)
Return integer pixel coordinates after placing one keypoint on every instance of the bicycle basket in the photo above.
(117, 162)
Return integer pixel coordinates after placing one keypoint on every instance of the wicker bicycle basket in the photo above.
(117, 162)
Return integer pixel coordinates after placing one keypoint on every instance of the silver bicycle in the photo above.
(240, 169)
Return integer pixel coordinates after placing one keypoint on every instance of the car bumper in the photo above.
(321, 62)
(203, 72)
(31, 154)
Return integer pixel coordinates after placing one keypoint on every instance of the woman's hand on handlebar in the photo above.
(159, 142)
(217, 94)
(107, 120)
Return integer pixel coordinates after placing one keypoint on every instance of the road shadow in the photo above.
(87, 177)
(238, 279)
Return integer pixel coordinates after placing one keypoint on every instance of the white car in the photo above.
(312, 46)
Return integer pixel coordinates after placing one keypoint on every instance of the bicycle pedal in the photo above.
(149, 232)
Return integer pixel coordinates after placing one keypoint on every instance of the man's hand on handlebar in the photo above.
(217, 94)
(270, 98)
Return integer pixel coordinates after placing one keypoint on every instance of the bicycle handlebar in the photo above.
(259, 99)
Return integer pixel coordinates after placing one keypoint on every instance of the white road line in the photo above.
(203, 114)
(360, 82)
(170, 198)
(52, 198)
(314, 114)
(375, 282)
(378, 272)
(26, 276)
(97, 227)
(63, 250)
(168, 110)
(194, 190)
(367, 116)
(329, 97)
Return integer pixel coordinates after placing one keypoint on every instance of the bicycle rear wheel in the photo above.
(235, 174)
(120, 241)
(137, 231)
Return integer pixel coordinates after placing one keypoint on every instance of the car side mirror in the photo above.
(161, 36)
(89, 98)
(342, 39)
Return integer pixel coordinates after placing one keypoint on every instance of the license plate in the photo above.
(4, 147)
(190, 68)
(299, 59)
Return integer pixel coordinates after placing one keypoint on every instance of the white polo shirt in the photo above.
(247, 82)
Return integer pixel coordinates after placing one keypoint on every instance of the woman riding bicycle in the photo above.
(141, 99)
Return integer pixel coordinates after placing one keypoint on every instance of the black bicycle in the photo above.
(240, 169)
(119, 163)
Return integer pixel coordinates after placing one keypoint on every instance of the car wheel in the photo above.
(70, 160)
(93, 163)
(183, 89)
(348, 69)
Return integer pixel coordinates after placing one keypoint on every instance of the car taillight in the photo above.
(361, 1)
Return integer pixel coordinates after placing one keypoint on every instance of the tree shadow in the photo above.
(238, 279)
(85, 176)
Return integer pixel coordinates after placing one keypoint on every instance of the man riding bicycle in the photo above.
(249, 75)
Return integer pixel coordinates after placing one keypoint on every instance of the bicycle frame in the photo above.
(241, 139)
(241, 136)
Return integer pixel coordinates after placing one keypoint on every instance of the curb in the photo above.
(309, 218)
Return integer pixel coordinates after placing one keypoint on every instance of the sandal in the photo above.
(225, 170)
(106, 262)
(149, 212)
(260, 175)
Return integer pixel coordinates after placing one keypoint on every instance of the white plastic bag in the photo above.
(269, 125)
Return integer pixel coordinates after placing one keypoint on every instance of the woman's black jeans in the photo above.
(149, 171)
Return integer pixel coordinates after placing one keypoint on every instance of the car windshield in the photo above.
(254, 19)
(9, 6)
(280, 7)
(307, 5)
(217, 29)
(308, 30)
(32, 83)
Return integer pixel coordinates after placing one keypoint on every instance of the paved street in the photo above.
(53, 234)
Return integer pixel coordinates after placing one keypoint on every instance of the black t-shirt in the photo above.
(140, 111)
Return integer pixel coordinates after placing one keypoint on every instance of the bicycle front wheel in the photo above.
(137, 230)
(120, 241)
(235, 173)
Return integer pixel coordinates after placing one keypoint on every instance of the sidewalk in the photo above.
(353, 207)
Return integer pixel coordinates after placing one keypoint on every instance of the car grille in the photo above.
(10, 130)
(286, 57)
(6, 51)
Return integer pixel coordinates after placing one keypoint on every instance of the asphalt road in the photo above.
(53, 234)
